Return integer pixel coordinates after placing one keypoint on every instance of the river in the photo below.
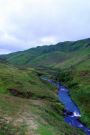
(71, 112)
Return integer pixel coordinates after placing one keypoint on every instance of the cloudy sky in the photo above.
(28, 23)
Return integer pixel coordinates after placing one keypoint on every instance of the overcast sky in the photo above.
(28, 23)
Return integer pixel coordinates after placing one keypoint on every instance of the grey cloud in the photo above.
(34, 23)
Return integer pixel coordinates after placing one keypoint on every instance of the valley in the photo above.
(30, 105)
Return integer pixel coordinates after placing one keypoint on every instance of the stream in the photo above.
(71, 112)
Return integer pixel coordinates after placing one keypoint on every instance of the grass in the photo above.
(36, 114)
(24, 81)
(40, 114)
(61, 55)
(44, 130)
(81, 95)
(7, 128)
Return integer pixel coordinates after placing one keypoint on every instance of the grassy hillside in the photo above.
(40, 113)
(82, 93)
(28, 105)
(77, 79)
(62, 55)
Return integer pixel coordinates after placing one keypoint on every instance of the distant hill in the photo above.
(64, 54)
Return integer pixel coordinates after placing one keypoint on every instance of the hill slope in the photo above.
(63, 54)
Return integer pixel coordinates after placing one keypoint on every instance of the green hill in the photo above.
(62, 55)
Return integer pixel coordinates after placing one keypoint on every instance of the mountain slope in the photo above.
(59, 55)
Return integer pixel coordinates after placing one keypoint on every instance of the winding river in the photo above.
(72, 112)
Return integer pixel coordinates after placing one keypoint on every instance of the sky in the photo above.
(29, 23)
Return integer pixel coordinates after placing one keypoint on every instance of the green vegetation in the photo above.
(61, 55)
(78, 81)
(81, 94)
(29, 105)
(24, 81)
(38, 114)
